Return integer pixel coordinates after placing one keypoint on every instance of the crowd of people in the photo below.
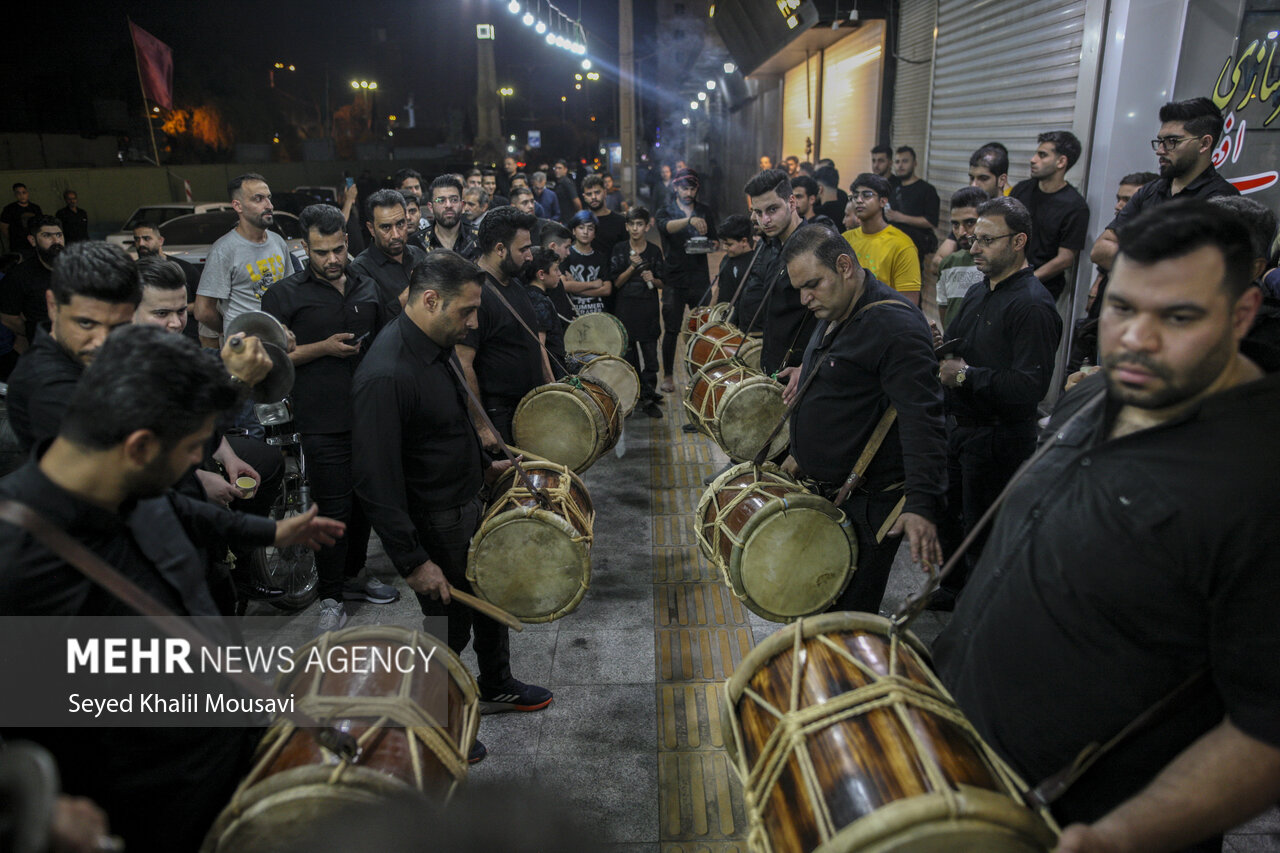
(1128, 555)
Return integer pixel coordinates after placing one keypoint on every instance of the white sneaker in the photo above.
(332, 616)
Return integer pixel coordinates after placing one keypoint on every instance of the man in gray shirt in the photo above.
(245, 261)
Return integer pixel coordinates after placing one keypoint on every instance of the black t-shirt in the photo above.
(18, 218)
(591, 266)
(25, 287)
(1057, 220)
(610, 230)
(685, 271)
(731, 272)
(508, 361)
(1206, 185)
(550, 324)
(566, 194)
(192, 272)
(917, 199)
(75, 224)
(40, 389)
(637, 304)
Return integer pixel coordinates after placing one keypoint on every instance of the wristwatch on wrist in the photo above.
(960, 375)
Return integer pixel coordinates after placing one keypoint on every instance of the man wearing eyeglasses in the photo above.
(448, 229)
(1189, 131)
(996, 368)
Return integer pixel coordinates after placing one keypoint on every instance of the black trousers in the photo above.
(329, 473)
(674, 301)
(867, 513)
(980, 461)
(502, 413)
(268, 461)
(446, 534)
(643, 356)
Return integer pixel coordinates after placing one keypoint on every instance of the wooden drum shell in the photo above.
(572, 422)
(713, 342)
(738, 408)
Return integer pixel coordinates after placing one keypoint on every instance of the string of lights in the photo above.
(559, 29)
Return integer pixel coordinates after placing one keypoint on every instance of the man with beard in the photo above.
(522, 199)
(501, 360)
(957, 273)
(804, 190)
(245, 261)
(335, 312)
(611, 228)
(688, 276)
(998, 370)
(15, 219)
(489, 183)
(448, 229)
(913, 205)
(545, 196)
(25, 286)
(74, 218)
(882, 162)
(1059, 214)
(408, 182)
(1189, 131)
(1136, 558)
(390, 259)
(148, 242)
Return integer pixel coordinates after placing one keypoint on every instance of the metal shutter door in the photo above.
(1003, 70)
(799, 108)
(851, 75)
(911, 88)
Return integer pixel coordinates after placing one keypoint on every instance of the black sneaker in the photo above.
(477, 753)
(651, 409)
(514, 696)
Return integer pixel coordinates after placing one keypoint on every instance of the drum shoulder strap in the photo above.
(496, 291)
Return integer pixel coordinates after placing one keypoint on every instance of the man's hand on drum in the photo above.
(246, 359)
(1079, 838)
(428, 579)
(922, 534)
(310, 529)
(497, 469)
(789, 376)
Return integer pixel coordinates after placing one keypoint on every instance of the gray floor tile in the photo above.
(514, 733)
(1267, 823)
(616, 605)
(615, 790)
(505, 767)
(599, 718)
(531, 653)
(1251, 844)
(603, 657)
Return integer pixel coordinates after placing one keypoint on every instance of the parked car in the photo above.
(324, 195)
(189, 237)
(158, 214)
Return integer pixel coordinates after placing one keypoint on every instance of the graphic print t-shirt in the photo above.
(593, 266)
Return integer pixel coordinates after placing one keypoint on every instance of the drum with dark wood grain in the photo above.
(846, 741)
(533, 559)
(410, 704)
(615, 372)
(599, 332)
(699, 316)
(784, 551)
(572, 422)
(713, 342)
(738, 408)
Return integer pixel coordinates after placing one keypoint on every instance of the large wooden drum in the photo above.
(598, 332)
(572, 422)
(698, 317)
(414, 729)
(784, 552)
(615, 372)
(531, 560)
(713, 342)
(749, 352)
(738, 407)
(846, 741)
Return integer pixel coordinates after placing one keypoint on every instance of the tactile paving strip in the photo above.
(702, 633)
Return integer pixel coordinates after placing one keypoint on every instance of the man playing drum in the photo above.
(1133, 566)
(867, 357)
(419, 466)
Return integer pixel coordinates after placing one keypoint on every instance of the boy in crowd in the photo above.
(637, 272)
(543, 276)
(888, 253)
(588, 283)
(738, 243)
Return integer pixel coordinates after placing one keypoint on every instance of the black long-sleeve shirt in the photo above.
(879, 358)
(414, 446)
(1009, 337)
(685, 271)
(391, 275)
(787, 323)
(40, 390)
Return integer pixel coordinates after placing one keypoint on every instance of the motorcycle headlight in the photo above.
(273, 414)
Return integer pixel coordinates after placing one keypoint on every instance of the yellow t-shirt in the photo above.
(890, 256)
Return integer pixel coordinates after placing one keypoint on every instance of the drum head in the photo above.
(603, 333)
(531, 563)
(796, 559)
(749, 353)
(747, 414)
(620, 376)
(562, 424)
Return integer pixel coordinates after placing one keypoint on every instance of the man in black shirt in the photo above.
(74, 219)
(636, 270)
(149, 242)
(543, 275)
(138, 421)
(1138, 551)
(787, 323)
(1059, 214)
(334, 312)
(419, 465)
(448, 229)
(25, 289)
(1189, 131)
(834, 200)
(688, 276)
(611, 228)
(867, 357)
(389, 259)
(913, 203)
(15, 220)
(566, 191)
(501, 357)
(1007, 333)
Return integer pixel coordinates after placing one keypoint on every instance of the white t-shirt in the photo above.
(237, 272)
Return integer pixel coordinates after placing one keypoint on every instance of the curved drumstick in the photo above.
(493, 611)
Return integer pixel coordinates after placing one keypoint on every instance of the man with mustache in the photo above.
(23, 305)
(448, 229)
(999, 368)
(1136, 555)
(390, 259)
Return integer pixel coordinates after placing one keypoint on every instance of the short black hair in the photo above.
(325, 219)
(384, 198)
(823, 243)
(874, 182)
(639, 214)
(968, 197)
(806, 183)
(554, 232)
(907, 149)
(234, 185)
(1016, 216)
(18, 185)
(769, 181)
(95, 270)
(1180, 227)
(488, 173)
(883, 149)
(444, 271)
(446, 181)
(500, 226)
(1200, 116)
(591, 181)
(1257, 217)
(1138, 179)
(403, 175)
(145, 378)
(519, 192)
(1064, 142)
(44, 221)
(736, 227)
(828, 176)
(148, 226)
(474, 172)
(993, 157)
(543, 260)
(161, 274)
